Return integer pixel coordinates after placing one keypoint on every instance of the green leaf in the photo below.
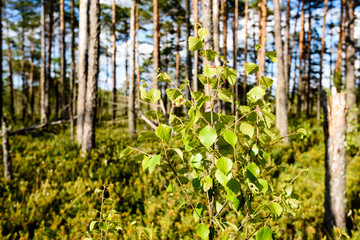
(124, 153)
(145, 163)
(144, 95)
(266, 81)
(224, 164)
(210, 54)
(173, 93)
(146, 136)
(262, 185)
(207, 136)
(196, 183)
(153, 162)
(178, 151)
(301, 131)
(164, 77)
(247, 129)
(226, 95)
(253, 169)
(184, 180)
(198, 209)
(264, 233)
(208, 183)
(230, 137)
(196, 161)
(255, 94)
(170, 188)
(272, 55)
(195, 43)
(154, 95)
(203, 33)
(163, 131)
(276, 209)
(230, 75)
(221, 177)
(257, 47)
(203, 231)
(244, 109)
(209, 71)
(251, 68)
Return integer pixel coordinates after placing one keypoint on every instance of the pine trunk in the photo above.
(308, 87)
(82, 65)
(92, 79)
(63, 61)
(43, 109)
(24, 99)
(318, 112)
(48, 62)
(286, 49)
(73, 72)
(262, 37)
(195, 86)
(338, 63)
(281, 93)
(31, 94)
(245, 50)
(188, 53)
(6, 151)
(235, 49)
(156, 52)
(131, 103)
(114, 97)
(301, 58)
(350, 68)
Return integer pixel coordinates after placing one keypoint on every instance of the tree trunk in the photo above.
(350, 68)
(32, 50)
(245, 50)
(338, 63)
(177, 60)
(43, 109)
(216, 33)
(262, 37)
(308, 87)
(6, 151)
(131, 103)
(301, 50)
(63, 61)
(48, 62)
(235, 88)
(24, 99)
(188, 53)
(92, 79)
(318, 112)
(335, 164)
(114, 100)
(281, 93)
(195, 86)
(137, 52)
(207, 23)
(82, 65)
(1, 68)
(286, 49)
(73, 73)
(156, 52)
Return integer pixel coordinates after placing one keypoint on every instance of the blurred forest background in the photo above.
(69, 105)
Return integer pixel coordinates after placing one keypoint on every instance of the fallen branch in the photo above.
(37, 127)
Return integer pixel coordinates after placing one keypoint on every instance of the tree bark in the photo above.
(235, 88)
(32, 50)
(216, 33)
(6, 150)
(131, 103)
(73, 71)
(43, 109)
(207, 23)
(92, 79)
(245, 50)
(25, 97)
(281, 93)
(156, 52)
(301, 51)
(286, 49)
(338, 63)
(350, 68)
(63, 61)
(321, 61)
(188, 53)
(195, 86)
(114, 100)
(1, 67)
(335, 165)
(262, 37)
(82, 67)
(177, 59)
(48, 62)
(308, 87)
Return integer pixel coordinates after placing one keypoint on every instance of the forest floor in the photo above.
(52, 193)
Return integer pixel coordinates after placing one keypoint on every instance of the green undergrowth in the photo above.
(52, 193)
